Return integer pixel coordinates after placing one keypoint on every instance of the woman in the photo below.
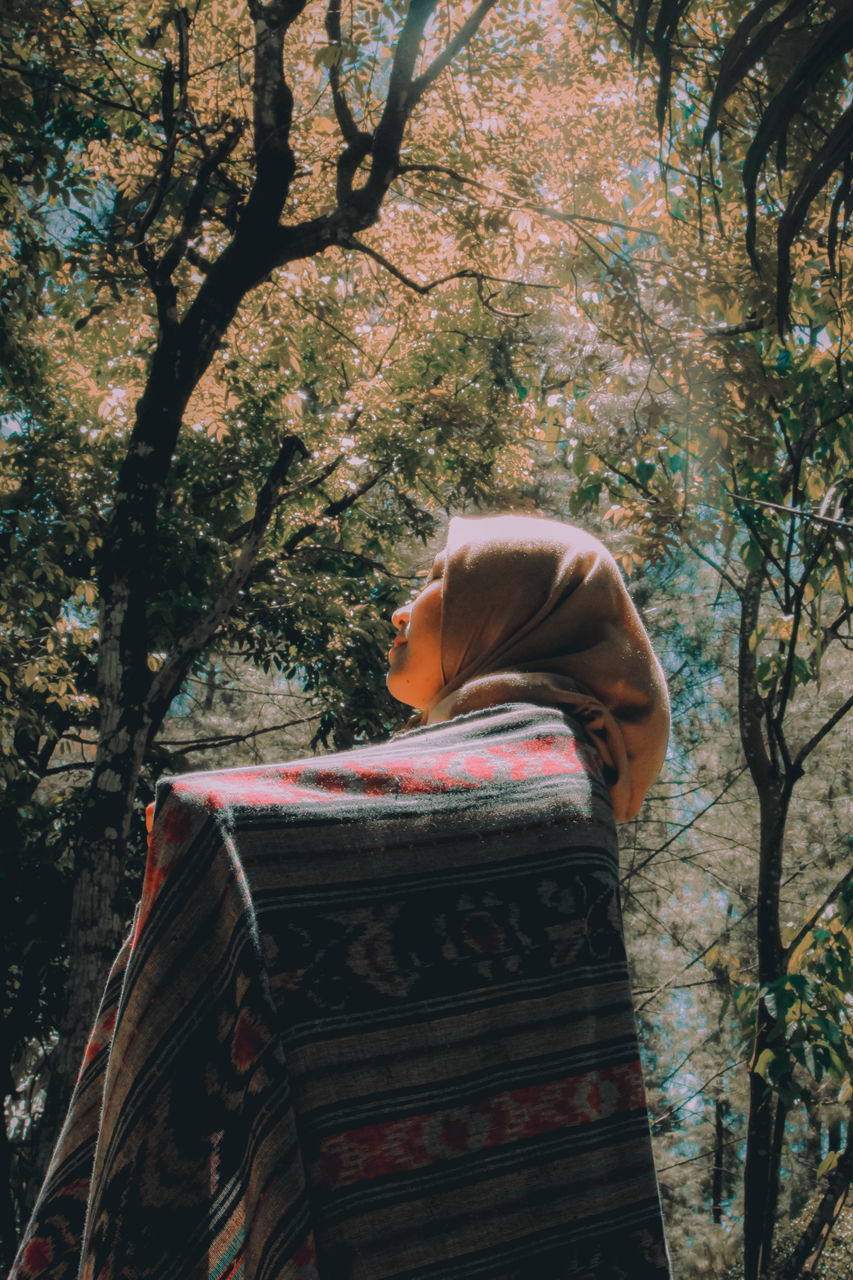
(518, 609)
(373, 1019)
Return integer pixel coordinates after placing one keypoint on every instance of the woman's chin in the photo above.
(398, 691)
(393, 686)
(404, 698)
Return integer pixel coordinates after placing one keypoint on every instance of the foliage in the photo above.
(776, 105)
(810, 1010)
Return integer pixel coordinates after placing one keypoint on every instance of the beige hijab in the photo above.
(536, 611)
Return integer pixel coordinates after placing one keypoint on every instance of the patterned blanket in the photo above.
(373, 1020)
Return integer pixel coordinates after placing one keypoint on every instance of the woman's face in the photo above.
(415, 673)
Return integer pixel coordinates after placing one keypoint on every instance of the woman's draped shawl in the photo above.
(373, 1020)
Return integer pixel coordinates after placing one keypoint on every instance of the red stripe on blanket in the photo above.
(101, 1038)
(416, 775)
(166, 837)
(37, 1256)
(359, 1155)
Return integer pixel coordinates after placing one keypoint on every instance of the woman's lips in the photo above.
(400, 640)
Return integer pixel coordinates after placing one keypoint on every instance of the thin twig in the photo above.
(228, 740)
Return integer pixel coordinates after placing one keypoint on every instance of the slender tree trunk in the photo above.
(128, 718)
(764, 1128)
(132, 705)
(717, 1174)
(767, 1114)
(19, 1176)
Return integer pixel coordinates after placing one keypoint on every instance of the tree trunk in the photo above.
(717, 1174)
(767, 1114)
(96, 929)
(128, 563)
(34, 755)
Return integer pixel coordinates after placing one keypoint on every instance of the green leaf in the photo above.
(752, 555)
(827, 1164)
(764, 1063)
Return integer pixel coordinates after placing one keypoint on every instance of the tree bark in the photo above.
(96, 928)
(767, 1114)
(765, 1127)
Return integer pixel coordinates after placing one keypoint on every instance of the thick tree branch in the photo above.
(349, 162)
(195, 203)
(359, 142)
(272, 118)
(754, 325)
(454, 47)
(172, 119)
(830, 632)
(334, 509)
(293, 491)
(395, 114)
(346, 123)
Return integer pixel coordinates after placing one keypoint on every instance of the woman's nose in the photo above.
(400, 617)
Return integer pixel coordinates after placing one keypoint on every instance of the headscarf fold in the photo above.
(536, 611)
